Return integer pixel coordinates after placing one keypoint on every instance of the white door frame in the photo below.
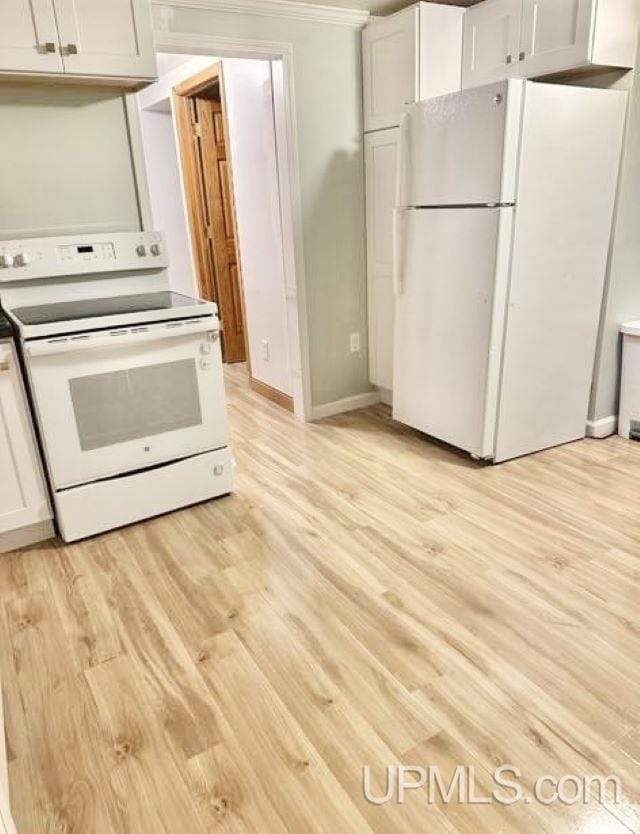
(297, 323)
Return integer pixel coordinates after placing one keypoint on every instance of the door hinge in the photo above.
(197, 129)
(209, 232)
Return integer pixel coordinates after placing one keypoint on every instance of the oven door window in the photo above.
(119, 406)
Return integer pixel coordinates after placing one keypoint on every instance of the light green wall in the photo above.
(65, 162)
(328, 90)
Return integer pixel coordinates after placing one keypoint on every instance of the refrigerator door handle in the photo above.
(397, 244)
(398, 216)
(403, 132)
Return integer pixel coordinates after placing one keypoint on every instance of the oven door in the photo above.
(126, 399)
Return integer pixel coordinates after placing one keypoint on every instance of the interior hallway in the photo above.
(364, 597)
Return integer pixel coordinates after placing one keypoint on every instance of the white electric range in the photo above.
(125, 378)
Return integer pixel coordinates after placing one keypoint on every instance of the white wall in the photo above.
(250, 114)
(162, 161)
(327, 80)
(165, 193)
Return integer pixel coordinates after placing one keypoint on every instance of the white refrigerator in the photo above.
(505, 199)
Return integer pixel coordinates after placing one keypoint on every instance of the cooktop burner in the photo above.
(98, 307)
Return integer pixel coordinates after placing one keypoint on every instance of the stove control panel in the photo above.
(60, 257)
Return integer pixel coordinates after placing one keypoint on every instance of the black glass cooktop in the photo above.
(99, 307)
(5, 326)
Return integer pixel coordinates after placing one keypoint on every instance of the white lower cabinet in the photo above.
(532, 38)
(381, 150)
(23, 496)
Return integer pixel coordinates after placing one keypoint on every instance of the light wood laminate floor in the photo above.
(365, 597)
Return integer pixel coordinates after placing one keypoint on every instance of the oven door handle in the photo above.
(122, 336)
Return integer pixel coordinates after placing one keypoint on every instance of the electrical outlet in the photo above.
(354, 342)
(266, 350)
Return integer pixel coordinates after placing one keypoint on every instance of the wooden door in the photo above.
(113, 38)
(28, 37)
(208, 185)
(491, 41)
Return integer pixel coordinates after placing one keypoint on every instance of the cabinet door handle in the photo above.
(508, 59)
(522, 56)
(45, 48)
(5, 366)
(69, 49)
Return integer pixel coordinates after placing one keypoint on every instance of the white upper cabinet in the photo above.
(28, 36)
(554, 35)
(491, 41)
(106, 39)
(389, 60)
(111, 38)
(23, 497)
(532, 38)
(408, 56)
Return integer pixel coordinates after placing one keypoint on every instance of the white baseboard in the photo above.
(386, 396)
(26, 536)
(602, 428)
(319, 412)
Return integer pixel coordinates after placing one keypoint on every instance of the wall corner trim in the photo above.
(288, 9)
(319, 412)
(602, 428)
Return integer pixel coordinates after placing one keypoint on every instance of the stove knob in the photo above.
(5, 261)
(21, 259)
(156, 249)
(141, 250)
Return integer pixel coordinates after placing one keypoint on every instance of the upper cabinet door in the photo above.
(28, 37)
(113, 38)
(390, 67)
(555, 35)
(491, 41)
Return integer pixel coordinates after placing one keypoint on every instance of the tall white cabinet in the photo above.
(86, 39)
(409, 56)
(531, 38)
(380, 148)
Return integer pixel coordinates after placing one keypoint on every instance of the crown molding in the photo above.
(287, 9)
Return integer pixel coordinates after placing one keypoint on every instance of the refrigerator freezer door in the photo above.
(449, 323)
(462, 148)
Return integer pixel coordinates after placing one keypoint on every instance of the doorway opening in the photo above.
(203, 138)
(214, 140)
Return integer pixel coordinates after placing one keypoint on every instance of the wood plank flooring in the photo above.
(365, 597)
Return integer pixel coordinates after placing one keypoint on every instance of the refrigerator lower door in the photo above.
(462, 148)
(449, 319)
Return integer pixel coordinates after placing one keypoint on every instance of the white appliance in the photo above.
(125, 378)
(504, 209)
